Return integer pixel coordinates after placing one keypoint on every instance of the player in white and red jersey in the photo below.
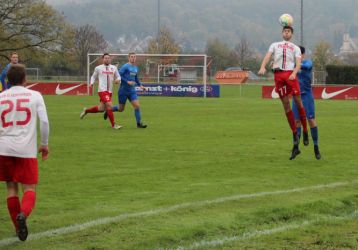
(19, 110)
(107, 74)
(286, 64)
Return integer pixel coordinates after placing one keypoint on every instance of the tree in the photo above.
(88, 40)
(29, 25)
(322, 56)
(243, 52)
(165, 44)
(221, 54)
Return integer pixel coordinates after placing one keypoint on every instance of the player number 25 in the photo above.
(19, 108)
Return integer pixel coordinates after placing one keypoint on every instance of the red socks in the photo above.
(28, 202)
(291, 121)
(110, 116)
(303, 119)
(92, 110)
(13, 205)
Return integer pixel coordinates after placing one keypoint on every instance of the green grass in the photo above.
(193, 150)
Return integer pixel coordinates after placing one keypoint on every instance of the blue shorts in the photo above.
(124, 95)
(308, 104)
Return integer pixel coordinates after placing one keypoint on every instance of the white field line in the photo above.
(122, 217)
(225, 240)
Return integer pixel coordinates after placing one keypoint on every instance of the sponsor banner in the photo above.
(343, 92)
(194, 90)
(231, 76)
(50, 88)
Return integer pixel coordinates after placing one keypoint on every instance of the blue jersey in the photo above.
(128, 72)
(3, 78)
(305, 76)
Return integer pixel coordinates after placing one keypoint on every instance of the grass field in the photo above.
(205, 174)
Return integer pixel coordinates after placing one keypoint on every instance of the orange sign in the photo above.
(232, 76)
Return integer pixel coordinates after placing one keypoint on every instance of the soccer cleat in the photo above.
(83, 113)
(296, 139)
(22, 231)
(116, 126)
(305, 138)
(141, 125)
(105, 115)
(295, 152)
(316, 152)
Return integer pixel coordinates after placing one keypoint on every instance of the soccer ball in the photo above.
(286, 20)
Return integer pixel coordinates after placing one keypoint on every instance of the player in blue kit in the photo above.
(129, 79)
(305, 79)
(14, 59)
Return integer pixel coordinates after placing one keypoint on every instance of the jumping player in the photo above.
(129, 76)
(14, 59)
(19, 109)
(305, 79)
(287, 62)
(107, 74)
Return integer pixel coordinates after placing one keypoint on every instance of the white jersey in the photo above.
(106, 75)
(285, 54)
(19, 109)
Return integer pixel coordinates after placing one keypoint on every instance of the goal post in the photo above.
(161, 69)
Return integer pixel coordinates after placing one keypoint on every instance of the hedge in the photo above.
(342, 74)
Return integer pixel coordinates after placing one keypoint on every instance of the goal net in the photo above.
(161, 69)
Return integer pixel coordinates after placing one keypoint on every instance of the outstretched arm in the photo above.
(266, 59)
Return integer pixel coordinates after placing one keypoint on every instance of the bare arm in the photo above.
(296, 69)
(266, 59)
(94, 76)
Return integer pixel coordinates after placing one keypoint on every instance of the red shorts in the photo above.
(284, 86)
(105, 96)
(21, 170)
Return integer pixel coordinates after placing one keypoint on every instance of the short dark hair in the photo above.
(16, 74)
(131, 53)
(105, 54)
(303, 50)
(287, 28)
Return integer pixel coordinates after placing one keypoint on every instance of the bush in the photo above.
(342, 74)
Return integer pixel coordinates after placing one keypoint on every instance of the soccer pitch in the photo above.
(205, 174)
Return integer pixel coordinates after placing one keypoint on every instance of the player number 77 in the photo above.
(283, 90)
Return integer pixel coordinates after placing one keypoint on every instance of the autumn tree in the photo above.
(322, 56)
(164, 44)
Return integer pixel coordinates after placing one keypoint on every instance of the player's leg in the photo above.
(108, 109)
(291, 120)
(95, 109)
(303, 119)
(7, 171)
(122, 99)
(13, 202)
(297, 119)
(135, 103)
(310, 110)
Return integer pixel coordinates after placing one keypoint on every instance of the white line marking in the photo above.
(122, 217)
(256, 233)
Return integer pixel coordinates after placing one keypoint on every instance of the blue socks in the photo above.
(137, 115)
(115, 108)
(314, 134)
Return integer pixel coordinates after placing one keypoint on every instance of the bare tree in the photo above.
(88, 40)
(29, 24)
(243, 52)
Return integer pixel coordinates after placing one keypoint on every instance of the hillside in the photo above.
(193, 22)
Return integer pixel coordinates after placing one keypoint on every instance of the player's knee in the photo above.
(312, 123)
